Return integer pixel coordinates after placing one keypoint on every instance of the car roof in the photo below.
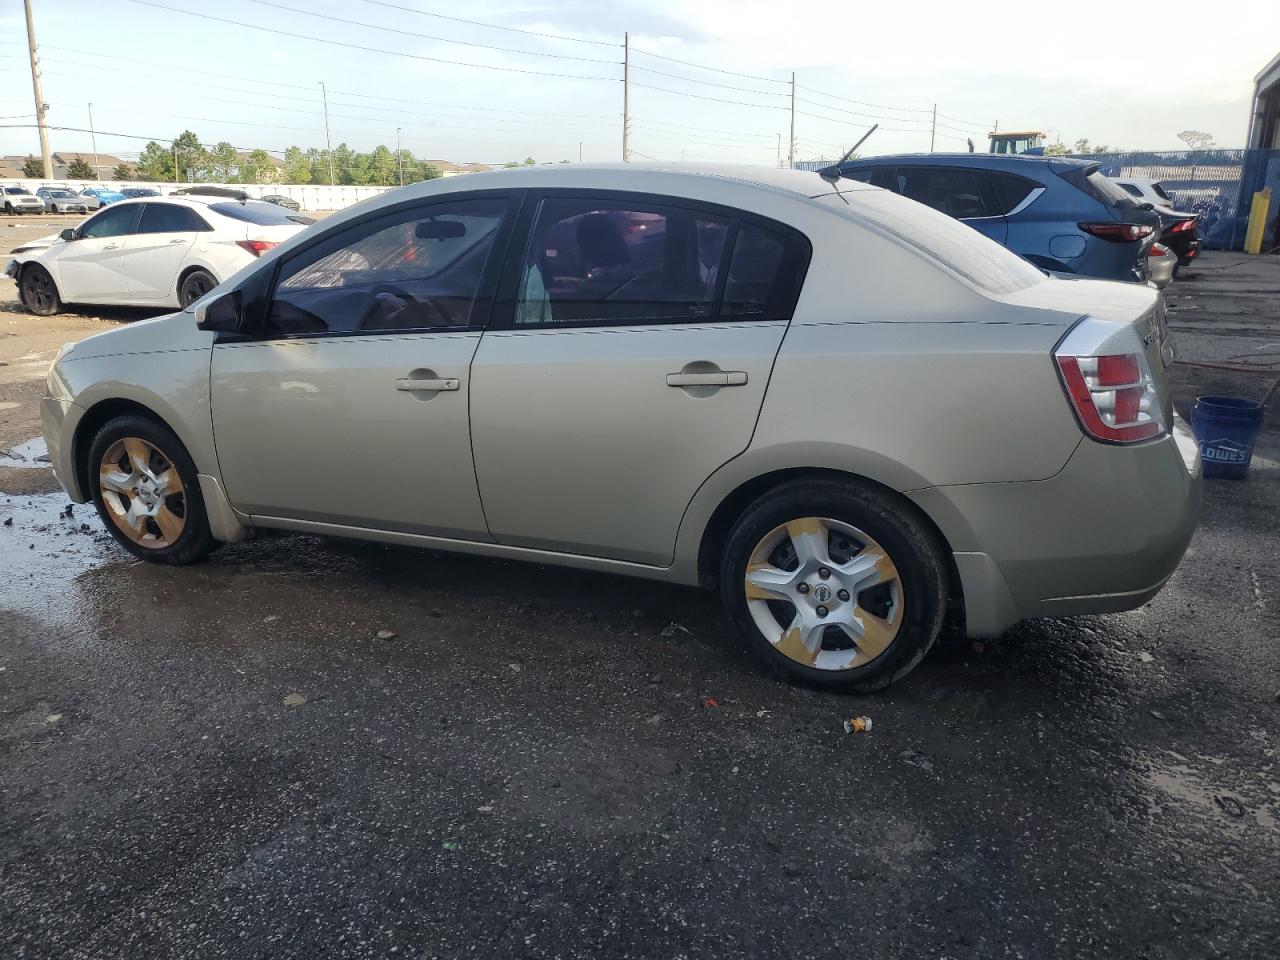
(999, 161)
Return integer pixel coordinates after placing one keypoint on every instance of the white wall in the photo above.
(311, 196)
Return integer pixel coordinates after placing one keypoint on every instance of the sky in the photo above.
(709, 79)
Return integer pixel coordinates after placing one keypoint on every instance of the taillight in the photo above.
(1182, 226)
(1158, 250)
(1112, 394)
(1118, 232)
(256, 247)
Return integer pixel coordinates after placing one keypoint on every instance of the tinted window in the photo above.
(982, 262)
(1160, 192)
(256, 211)
(955, 192)
(599, 262)
(1131, 189)
(1010, 190)
(111, 222)
(412, 270)
(18, 190)
(170, 218)
(862, 176)
(755, 286)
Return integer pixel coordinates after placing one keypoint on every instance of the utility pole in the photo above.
(399, 156)
(579, 151)
(41, 106)
(328, 148)
(791, 149)
(933, 127)
(177, 177)
(94, 137)
(779, 151)
(626, 97)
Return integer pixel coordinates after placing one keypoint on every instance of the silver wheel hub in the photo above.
(824, 593)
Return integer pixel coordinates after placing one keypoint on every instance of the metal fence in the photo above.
(1217, 184)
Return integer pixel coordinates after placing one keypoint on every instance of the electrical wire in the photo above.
(428, 36)
(696, 96)
(491, 26)
(863, 103)
(698, 66)
(367, 49)
(708, 83)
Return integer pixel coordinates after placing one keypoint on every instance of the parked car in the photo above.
(62, 200)
(151, 252)
(1059, 213)
(1161, 263)
(849, 412)
(100, 196)
(21, 200)
(134, 192)
(1178, 229)
(282, 201)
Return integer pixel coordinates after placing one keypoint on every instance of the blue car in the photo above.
(102, 195)
(1059, 213)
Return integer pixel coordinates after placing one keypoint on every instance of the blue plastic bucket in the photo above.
(1226, 428)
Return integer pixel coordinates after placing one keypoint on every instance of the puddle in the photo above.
(43, 551)
(34, 454)
(1178, 785)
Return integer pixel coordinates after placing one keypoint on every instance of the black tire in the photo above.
(910, 545)
(194, 286)
(38, 292)
(195, 541)
(8, 209)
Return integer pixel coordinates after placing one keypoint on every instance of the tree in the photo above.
(509, 165)
(431, 172)
(343, 157)
(32, 167)
(123, 172)
(78, 169)
(528, 161)
(155, 162)
(193, 159)
(1056, 149)
(258, 168)
(222, 163)
(383, 169)
(297, 166)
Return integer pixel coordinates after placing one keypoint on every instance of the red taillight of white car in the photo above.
(1113, 394)
(1118, 232)
(256, 247)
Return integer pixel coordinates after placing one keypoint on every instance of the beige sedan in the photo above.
(848, 413)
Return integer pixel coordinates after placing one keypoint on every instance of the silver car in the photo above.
(848, 413)
(62, 200)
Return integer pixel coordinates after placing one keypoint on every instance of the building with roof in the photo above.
(1264, 124)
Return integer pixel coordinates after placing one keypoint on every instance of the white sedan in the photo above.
(149, 252)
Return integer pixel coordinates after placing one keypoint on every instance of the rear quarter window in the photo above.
(958, 247)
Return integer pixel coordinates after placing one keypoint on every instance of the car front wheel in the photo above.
(146, 491)
(38, 292)
(194, 286)
(834, 583)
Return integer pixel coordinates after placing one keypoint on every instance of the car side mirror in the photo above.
(221, 314)
(68, 234)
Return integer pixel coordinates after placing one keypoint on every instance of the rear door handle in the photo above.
(110, 246)
(179, 240)
(427, 386)
(715, 378)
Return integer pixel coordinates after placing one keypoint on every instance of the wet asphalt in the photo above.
(225, 760)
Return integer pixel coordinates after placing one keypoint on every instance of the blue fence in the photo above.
(1217, 184)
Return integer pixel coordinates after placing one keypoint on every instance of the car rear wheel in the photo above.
(38, 292)
(835, 584)
(194, 286)
(146, 491)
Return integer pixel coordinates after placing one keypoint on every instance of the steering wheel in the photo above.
(435, 316)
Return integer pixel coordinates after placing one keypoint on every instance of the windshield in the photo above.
(18, 190)
(960, 248)
(61, 193)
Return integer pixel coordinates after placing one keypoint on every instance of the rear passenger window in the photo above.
(1011, 190)
(601, 263)
(955, 192)
(862, 176)
(170, 218)
(755, 274)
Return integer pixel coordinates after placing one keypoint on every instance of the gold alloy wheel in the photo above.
(824, 593)
(143, 493)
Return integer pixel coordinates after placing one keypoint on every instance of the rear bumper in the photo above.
(1101, 536)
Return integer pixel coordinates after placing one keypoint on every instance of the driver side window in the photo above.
(112, 222)
(416, 269)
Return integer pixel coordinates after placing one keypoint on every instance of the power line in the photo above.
(491, 26)
(367, 49)
(708, 83)
(818, 116)
(856, 113)
(427, 36)
(292, 86)
(699, 66)
(696, 96)
(864, 103)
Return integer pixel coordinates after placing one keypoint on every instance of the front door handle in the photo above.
(433, 385)
(712, 378)
(110, 246)
(179, 240)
